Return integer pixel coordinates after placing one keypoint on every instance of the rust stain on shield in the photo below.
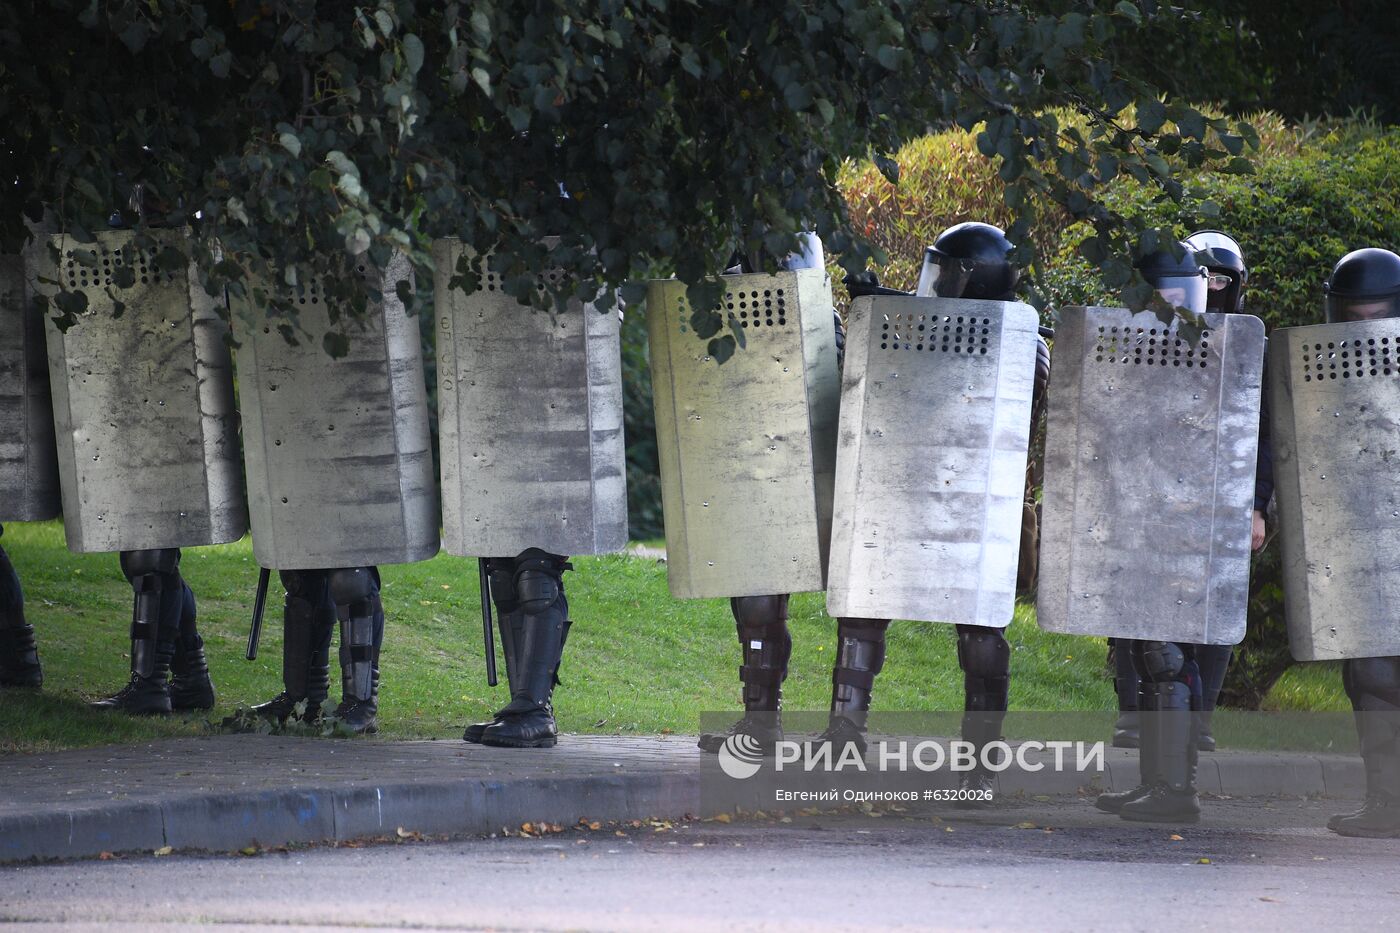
(930, 466)
(747, 448)
(1334, 395)
(143, 404)
(1149, 476)
(29, 489)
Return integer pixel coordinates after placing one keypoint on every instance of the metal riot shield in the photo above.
(1334, 396)
(340, 467)
(29, 489)
(529, 422)
(747, 447)
(1150, 453)
(931, 461)
(143, 404)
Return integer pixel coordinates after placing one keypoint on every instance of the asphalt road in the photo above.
(1044, 865)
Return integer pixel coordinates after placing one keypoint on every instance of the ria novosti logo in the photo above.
(741, 756)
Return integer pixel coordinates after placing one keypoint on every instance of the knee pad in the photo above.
(352, 584)
(760, 613)
(983, 652)
(164, 561)
(1372, 684)
(1160, 662)
(536, 589)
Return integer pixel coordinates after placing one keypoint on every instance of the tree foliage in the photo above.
(301, 138)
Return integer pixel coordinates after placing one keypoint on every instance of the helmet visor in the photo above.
(1342, 308)
(943, 277)
(1183, 291)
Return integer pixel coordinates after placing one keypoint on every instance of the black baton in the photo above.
(487, 631)
(259, 604)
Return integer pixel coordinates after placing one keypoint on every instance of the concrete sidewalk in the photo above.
(227, 792)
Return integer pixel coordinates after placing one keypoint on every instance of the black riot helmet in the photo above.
(1180, 281)
(969, 260)
(1364, 285)
(1225, 265)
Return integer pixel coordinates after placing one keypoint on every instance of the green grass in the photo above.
(638, 661)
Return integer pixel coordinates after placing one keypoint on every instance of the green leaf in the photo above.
(413, 53)
(482, 79)
(290, 142)
(336, 344)
(721, 348)
(1129, 10)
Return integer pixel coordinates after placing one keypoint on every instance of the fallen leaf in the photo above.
(1175, 837)
(1202, 861)
(618, 832)
(947, 829)
(105, 856)
(527, 827)
(248, 850)
(1027, 825)
(722, 818)
(163, 850)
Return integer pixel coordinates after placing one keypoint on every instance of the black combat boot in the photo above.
(1125, 685)
(985, 658)
(19, 657)
(1113, 801)
(501, 575)
(308, 624)
(860, 656)
(539, 627)
(190, 686)
(155, 631)
(357, 606)
(1372, 684)
(1172, 798)
(761, 622)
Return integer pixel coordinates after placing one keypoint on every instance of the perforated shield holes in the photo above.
(1151, 346)
(1344, 358)
(79, 275)
(965, 334)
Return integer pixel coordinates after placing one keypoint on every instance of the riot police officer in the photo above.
(761, 621)
(1227, 275)
(19, 657)
(1169, 673)
(533, 616)
(970, 261)
(316, 600)
(1365, 285)
(168, 668)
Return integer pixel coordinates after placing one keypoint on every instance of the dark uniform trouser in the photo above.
(1169, 691)
(1373, 686)
(19, 658)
